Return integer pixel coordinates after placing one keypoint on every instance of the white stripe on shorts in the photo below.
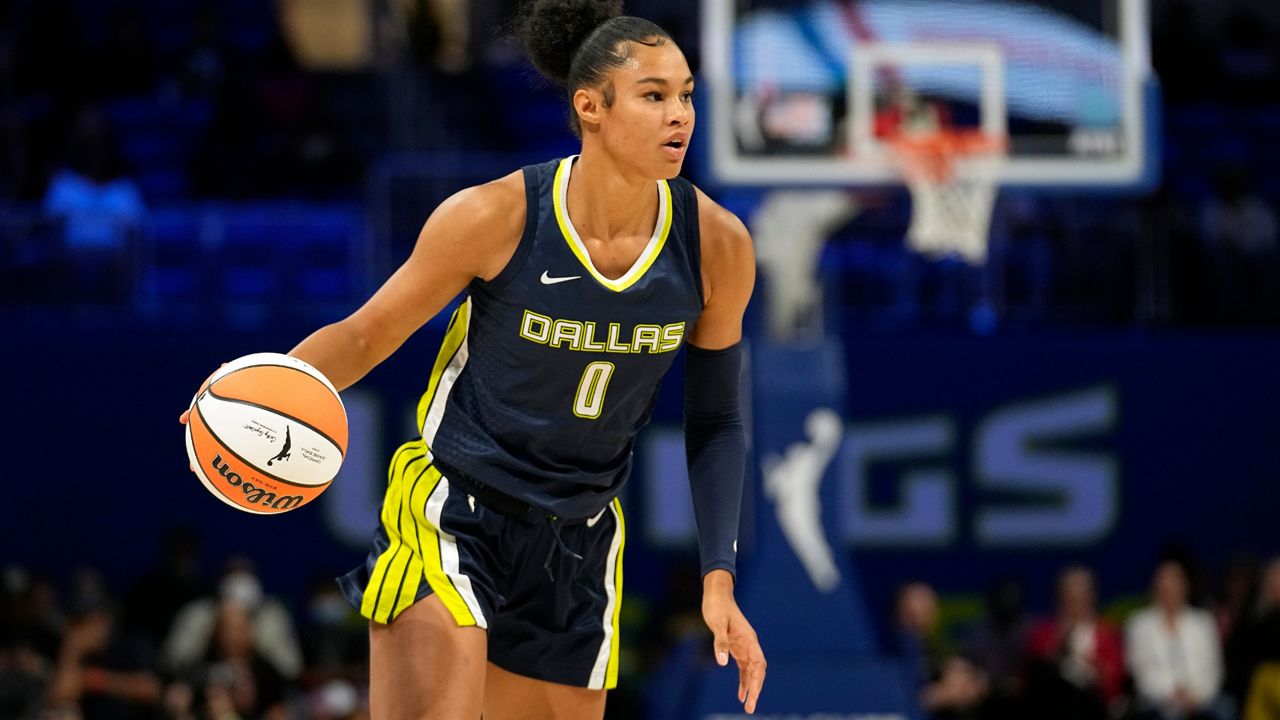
(449, 559)
(600, 670)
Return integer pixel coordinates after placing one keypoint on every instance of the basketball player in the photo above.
(495, 578)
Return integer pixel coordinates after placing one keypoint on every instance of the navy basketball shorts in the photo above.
(549, 615)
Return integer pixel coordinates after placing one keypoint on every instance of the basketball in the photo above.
(267, 433)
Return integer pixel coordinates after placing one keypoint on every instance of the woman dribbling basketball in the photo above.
(494, 583)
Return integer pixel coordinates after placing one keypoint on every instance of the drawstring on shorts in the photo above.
(554, 522)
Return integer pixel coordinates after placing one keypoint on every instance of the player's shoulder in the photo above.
(496, 204)
(721, 230)
(482, 223)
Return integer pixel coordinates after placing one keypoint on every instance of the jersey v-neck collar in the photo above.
(559, 194)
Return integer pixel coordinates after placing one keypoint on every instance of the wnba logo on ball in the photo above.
(252, 493)
(284, 451)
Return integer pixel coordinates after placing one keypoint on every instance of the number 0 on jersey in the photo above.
(590, 398)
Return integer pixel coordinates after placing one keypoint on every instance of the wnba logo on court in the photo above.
(253, 493)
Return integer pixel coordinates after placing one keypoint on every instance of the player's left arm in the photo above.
(715, 439)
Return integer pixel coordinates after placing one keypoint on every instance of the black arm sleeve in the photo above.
(716, 445)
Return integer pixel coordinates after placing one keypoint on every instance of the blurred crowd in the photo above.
(1182, 654)
(174, 646)
(134, 103)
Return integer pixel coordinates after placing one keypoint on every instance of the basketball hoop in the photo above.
(952, 178)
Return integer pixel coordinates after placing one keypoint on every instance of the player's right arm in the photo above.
(472, 234)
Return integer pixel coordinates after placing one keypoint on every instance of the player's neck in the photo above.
(608, 199)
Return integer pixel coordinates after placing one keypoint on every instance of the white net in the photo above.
(952, 178)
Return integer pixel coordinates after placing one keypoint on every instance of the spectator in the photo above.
(1235, 614)
(30, 617)
(91, 194)
(154, 602)
(950, 686)
(29, 629)
(97, 675)
(1262, 651)
(100, 209)
(1175, 655)
(997, 644)
(233, 680)
(273, 634)
(1075, 665)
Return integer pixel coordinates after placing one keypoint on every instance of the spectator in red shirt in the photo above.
(1075, 664)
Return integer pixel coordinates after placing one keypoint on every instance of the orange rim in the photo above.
(932, 155)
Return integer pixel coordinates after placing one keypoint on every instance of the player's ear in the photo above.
(589, 104)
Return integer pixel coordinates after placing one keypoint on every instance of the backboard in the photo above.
(807, 92)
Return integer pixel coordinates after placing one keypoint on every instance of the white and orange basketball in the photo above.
(267, 433)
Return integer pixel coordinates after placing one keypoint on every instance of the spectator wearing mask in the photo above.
(273, 630)
(233, 681)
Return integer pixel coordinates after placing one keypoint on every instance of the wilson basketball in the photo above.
(267, 433)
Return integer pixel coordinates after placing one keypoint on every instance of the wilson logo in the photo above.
(253, 494)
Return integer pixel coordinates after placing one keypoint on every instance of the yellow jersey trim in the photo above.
(453, 338)
(661, 229)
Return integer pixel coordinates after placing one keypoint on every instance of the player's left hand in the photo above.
(734, 636)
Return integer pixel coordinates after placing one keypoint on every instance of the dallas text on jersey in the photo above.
(586, 337)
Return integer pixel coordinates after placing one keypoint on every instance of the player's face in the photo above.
(651, 120)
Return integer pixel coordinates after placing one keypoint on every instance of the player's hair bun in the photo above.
(553, 30)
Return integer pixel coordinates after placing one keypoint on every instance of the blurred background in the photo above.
(1034, 484)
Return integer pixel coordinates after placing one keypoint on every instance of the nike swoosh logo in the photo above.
(592, 522)
(548, 280)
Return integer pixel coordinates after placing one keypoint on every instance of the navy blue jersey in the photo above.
(548, 371)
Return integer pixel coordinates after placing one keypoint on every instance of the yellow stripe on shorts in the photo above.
(416, 548)
(379, 600)
(611, 674)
